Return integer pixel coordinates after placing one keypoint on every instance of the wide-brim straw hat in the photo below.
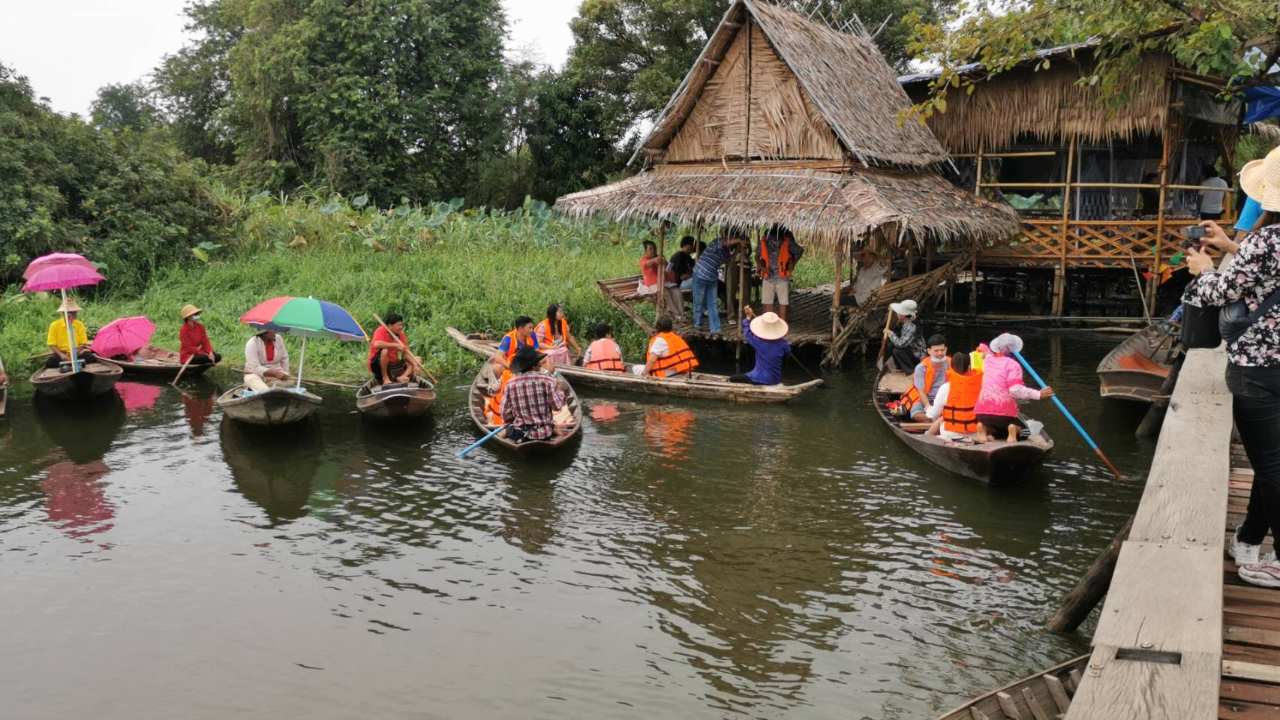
(769, 326)
(188, 310)
(1260, 180)
(906, 307)
(69, 305)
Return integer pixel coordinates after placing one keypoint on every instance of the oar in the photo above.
(803, 366)
(409, 353)
(884, 340)
(1071, 418)
(184, 369)
(481, 441)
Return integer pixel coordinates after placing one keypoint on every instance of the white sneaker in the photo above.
(1246, 554)
(1266, 574)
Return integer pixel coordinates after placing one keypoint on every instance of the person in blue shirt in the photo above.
(765, 335)
(706, 278)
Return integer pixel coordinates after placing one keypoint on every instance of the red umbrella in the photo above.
(125, 336)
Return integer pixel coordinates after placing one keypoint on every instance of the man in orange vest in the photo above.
(929, 376)
(521, 335)
(952, 410)
(776, 258)
(668, 353)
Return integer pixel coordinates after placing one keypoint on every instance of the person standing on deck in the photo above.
(706, 279)
(873, 272)
(651, 265)
(680, 276)
(1211, 207)
(386, 359)
(266, 361)
(776, 257)
(1002, 388)
(531, 399)
(765, 335)
(1251, 286)
(60, 344)
(193, 339)
(906, 344)
(668, 353)
(927, 380)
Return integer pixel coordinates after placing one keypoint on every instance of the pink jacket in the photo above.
(1002, 387)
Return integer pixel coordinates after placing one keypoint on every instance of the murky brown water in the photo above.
(688, 559)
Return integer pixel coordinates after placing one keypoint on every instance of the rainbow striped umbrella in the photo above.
(307, 317)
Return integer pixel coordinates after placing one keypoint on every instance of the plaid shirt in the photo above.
(529, 403)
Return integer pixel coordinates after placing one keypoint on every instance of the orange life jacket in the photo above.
(679, 358)
(962, 397)
(784, 259)
(543, 331)
(605, 355)
(912, 396)
(514, 346)
(493, 406)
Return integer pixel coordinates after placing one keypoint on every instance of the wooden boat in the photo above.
(1044, 695)
(277, 406)
(163, 364)
(696, 385)
(396, 401)
(1137, 367)
(477, 397)
(990, 462)
(93, 379)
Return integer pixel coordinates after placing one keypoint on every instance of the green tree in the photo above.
(124, 106)
(194, 84)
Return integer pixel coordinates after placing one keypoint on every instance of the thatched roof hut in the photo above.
(785, 120)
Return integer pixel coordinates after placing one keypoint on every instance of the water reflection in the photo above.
(197, 405)
(669, 432)
(138, 396)
(76, 499)
(273, 467)
(84, 429)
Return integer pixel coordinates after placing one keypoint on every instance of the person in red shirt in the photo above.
(387, 359)
(194, 340)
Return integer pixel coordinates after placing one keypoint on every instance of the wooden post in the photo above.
(1087, 593)
(1060, 276)
(842, 249)
(743, 288)
(977, 180)
(973, 283)
(1165, 150)
(662, 272)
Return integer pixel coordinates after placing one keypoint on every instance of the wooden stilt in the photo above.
(1060, 274)
(1087, 593)
(841, 256)
(973, 284)
(1165, 150)
(662, 272)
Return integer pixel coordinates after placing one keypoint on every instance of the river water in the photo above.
(688, 559)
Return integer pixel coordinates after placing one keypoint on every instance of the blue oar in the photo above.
(1056, 401)
(481, 441)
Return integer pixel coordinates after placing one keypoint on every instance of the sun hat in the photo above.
(1006, 344)
(1260, 180)
(906, 307)
(188, 310)
(526, 359)
(69, 305)
(768, 326)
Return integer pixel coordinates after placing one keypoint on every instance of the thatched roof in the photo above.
(839, 78)
(827, 208)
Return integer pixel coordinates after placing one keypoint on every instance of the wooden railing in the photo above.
(1091, 243)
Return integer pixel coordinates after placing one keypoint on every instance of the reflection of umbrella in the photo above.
(74, 498)
(60, 271)
(138, 396)
(306, 317)
(125, 336)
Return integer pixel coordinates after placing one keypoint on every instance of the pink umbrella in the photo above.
(138, 396)
(45, 261)
(125, 336)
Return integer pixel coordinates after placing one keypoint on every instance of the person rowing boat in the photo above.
(387, 359)
(533, 404)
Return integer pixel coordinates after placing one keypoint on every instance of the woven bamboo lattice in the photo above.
(1089, 244)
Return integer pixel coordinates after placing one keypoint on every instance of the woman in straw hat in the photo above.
(1251, 291)
(906, 345)
(60, 344)
(194, 340)
(765, 335)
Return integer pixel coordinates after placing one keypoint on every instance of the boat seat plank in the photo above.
(977, 714)
(1058, 692)
(1033, 703)
(1008, 706)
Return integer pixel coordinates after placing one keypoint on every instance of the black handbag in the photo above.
(1200, 326)
(1234, 320)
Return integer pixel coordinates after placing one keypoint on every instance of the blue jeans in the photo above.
(704, 299)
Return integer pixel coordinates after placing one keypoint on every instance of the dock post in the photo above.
(1087, 593)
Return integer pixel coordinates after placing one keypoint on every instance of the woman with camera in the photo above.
(1249, 292)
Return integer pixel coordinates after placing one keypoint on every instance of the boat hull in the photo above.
(476, 399)
(94, 379)
(165, 367)
(1045, 694)
(403, 402)
(704, 386)
(275, 407)
(1136, 369)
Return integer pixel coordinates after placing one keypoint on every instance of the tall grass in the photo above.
(437, 265)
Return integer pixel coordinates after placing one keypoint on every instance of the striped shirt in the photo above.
(707, 269)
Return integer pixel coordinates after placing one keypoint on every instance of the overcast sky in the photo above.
(70, 48)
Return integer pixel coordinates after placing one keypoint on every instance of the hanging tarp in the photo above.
(1263, 103)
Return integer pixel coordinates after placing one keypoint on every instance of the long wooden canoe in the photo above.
(276, 406)
(478, 396)
(399, 401)
(1137, 367)
(997, 461)
(1046, 694)
(92, 379)
(696, 385)
(164, 364)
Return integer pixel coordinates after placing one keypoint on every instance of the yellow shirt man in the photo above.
(57, 337)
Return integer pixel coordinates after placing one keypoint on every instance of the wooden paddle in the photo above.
(884, 340)
(183, 370)
(467, 450)
(417, 361)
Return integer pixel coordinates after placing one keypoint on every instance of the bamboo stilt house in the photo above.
(784, 120)
(1102, 184)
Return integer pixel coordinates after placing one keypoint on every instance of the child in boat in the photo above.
(1002, 388)
(765, 335)
(603, 353)
(554, 337)
(953, 409)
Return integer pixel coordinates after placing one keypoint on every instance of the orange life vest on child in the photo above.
(784, 259)
(514, 346)
(912, 396)
(605, 355)
(493, 406)
(543, 331)
(679, 358)
(962, 397)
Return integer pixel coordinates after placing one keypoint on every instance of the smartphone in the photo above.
(1192, 236)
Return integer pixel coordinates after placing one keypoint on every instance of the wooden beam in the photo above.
(1060, 275)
